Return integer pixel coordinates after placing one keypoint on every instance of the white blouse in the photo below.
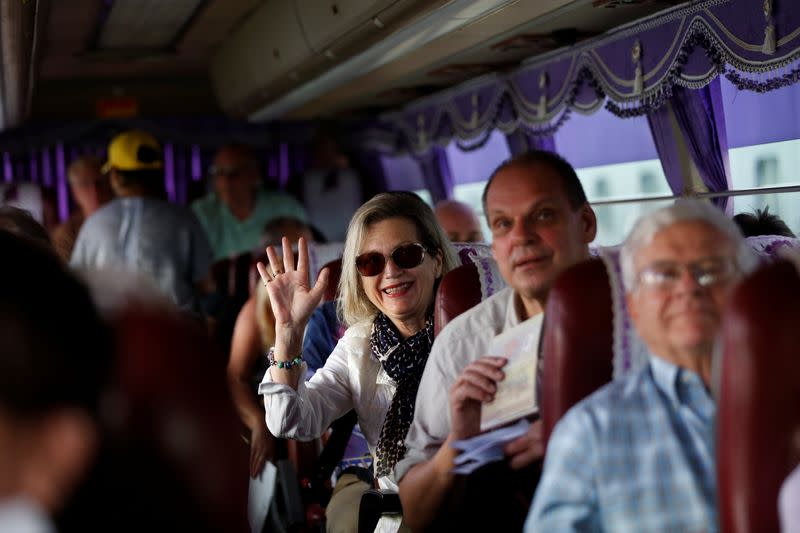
(350, 379)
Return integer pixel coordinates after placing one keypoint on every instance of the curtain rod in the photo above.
(702, 195)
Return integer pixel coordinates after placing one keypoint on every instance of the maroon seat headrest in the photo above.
(459, 290)
(759, 405)
(577, 343)
(172, 400)
(335, 272)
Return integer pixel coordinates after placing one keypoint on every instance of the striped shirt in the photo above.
(637, 455)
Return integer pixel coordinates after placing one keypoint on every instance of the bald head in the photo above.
(459, 221)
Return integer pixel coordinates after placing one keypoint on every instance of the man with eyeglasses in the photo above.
(235, 213)
(638, 454)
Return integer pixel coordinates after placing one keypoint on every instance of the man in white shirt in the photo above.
(541, 223)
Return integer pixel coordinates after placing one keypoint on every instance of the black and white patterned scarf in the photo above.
(404, 361)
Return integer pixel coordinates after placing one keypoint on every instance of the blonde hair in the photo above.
(265, 318)
(353, 305)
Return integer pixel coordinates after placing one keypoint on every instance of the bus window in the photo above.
(471, 171)
(764, 140)
(615, 159)
(403, 173)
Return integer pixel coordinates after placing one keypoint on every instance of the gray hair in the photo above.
(682, 210)
(354, 306)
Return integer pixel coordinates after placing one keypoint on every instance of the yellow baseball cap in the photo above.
(133, 150)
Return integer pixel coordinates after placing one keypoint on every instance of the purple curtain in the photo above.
(521, 141)
(701, 122)
(436, 172)
(287, 162)
(666, 146)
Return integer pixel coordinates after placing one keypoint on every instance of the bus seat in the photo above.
(577, 339)
(168, 420)
(758, 424)
(335, 272)
(464, 287)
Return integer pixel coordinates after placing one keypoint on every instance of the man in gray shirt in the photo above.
(141, 232)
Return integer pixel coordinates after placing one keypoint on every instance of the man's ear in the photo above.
(589, 223)
(117, 183)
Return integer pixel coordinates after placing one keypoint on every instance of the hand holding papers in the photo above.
(516, 394)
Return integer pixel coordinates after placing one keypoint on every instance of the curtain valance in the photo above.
(632, 70)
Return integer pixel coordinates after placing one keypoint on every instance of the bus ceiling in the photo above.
(271, 59)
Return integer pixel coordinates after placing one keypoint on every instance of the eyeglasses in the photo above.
(405, 256)
(706, 272)
(229, 172)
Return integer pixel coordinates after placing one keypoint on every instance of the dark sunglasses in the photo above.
(405, 256)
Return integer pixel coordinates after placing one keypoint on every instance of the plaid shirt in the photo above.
(637, 455)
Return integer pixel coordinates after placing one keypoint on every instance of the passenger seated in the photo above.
(331, 190)
(541, 223)
(91, 190)
(638, 454)
(253, 336)
(55, 363)
(234, 214)
(459, 221)
(394, 254)
(762, 222)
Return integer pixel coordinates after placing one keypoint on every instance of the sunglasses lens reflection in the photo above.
(408, 256)
(370, 264)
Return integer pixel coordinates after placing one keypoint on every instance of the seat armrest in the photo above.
(374, 504)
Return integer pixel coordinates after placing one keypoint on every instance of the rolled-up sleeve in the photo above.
(306, 413)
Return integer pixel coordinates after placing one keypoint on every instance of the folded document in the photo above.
(486, 448)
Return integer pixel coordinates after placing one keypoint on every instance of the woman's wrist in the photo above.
(288, 344)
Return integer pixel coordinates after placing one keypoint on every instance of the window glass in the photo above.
(753, 118)
(639, 179)
(402, 173)
(425, 194)
(471, 194)
(602, 138)
(768, 165)
(784, 205)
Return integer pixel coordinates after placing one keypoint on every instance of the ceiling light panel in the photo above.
(150, 24)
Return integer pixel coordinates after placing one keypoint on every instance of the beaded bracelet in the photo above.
(288, 365)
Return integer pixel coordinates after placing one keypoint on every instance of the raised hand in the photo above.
(476, 384)
(291, 296)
